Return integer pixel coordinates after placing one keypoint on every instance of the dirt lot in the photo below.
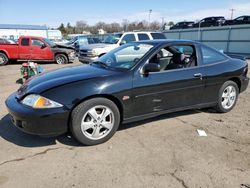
(160, 152)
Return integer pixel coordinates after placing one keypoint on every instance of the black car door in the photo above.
(214, 64)
(167, 89)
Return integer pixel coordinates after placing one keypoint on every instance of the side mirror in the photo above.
(151, 67)
(43, 46)
(122, 42)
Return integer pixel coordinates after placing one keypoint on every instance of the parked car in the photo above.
(182, 25)
(79, 41)
(238, 21)
(91, 52)
(6, 41)
(35, 49)
(210, 21)
(135, 81)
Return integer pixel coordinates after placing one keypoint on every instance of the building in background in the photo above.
(13, 31)
(54, 34)
(101, 32)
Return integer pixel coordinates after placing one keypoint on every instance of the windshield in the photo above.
(49, 42)
(72, 41)
(125, 56)
(112, 39)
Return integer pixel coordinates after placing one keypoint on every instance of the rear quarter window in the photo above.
(143, 36)
(211, 56)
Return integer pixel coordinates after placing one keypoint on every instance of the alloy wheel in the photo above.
(97, 122)
(228, 97)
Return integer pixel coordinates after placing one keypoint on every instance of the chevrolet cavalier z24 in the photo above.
(135, 81)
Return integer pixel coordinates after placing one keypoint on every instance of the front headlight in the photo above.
(37, 101)
(93, 53)
(72, 53)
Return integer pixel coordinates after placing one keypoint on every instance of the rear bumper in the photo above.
(244, 84)
(44, 122)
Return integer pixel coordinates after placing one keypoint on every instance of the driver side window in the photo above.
(128, 38)
(175, 57)
(36, 42)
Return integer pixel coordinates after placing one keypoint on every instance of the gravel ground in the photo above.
(160, 152)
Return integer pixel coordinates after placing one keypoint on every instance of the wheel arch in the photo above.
(5, 53)
(237, 81)
(112, 98)
(64, 53)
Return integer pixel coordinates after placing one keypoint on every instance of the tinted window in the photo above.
(158, 36)
(91, 41)
(2, 41)
(129, 38)
(36, 42)
(175, 57)
(82, 41)
(143, 36)
(125, 56)
(25, 42)
(240, 18)
(112, 39)
(211, 56)
(187, 50)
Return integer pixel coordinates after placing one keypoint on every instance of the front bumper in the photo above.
(85, 59)
(44, 122)
(72, 57)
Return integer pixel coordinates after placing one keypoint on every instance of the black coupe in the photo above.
(133, 82)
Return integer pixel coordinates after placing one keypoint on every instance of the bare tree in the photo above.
(155, 25)
(81, 26)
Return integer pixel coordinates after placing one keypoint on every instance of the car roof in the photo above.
(28, 36)
(132, 32)
(165, 41)
(186, 22)
(214, 17)
(243, 16)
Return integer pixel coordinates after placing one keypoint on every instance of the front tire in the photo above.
(95, 121)
(228, 96)
(61, 59)
(3, 59)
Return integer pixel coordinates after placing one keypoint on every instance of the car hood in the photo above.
(63, 46)
(49, 80)
(98, 45)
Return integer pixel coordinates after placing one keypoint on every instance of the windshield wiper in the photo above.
(100, 63)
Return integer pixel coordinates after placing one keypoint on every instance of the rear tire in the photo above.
(227, 97)
(3, 59)
(95, 121)
(61, 59)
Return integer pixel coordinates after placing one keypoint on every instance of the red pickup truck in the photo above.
(31, 48)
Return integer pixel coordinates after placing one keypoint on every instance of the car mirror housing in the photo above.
(43, 46)
(122, 42)
(151, 67)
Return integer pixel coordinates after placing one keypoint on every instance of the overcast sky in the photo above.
(54, 12)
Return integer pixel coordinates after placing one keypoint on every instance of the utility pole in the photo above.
(232, 13)
(162, 22)
(149, 15)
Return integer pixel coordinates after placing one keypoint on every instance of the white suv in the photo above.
(92, 52)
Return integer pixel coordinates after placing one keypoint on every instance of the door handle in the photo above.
(198, 75)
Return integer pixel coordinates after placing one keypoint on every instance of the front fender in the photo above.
(72, 94)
